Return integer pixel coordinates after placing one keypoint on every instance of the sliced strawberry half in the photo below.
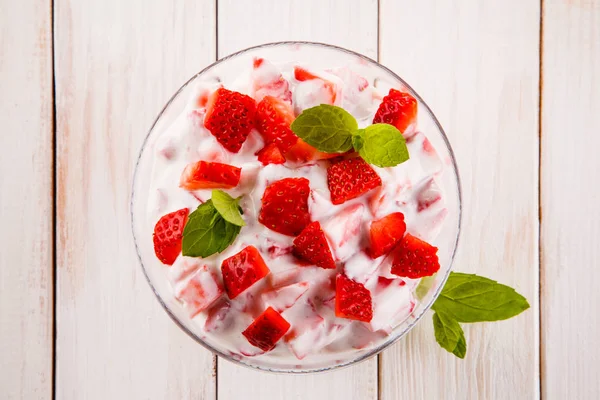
(415, 258)
(168, 234)
(304, 152)
(398, 109)
(352, 300)
(385, 233)
(270, 155)
(230, 117)
(351, 178)
(209, 175)
(311, 245)
(285, 206)
(266, 330)
(273, 120)
(243, 270)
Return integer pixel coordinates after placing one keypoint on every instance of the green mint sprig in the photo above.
(469, 298)
(332, 129)
(213, 226)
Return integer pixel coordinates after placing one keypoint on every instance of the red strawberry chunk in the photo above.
(273, 120)
(285, 206)
(242, 271)
(304, 152)
(414, 258)
(271, 155)
(311, 245)
(352, 300)
(200, 291)
(168, 234)
(385, 233)
(398, 109)
(209, 175)
(351, 178)
(230, 118)
(266, 330)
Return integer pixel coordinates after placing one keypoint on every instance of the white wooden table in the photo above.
(515, 83)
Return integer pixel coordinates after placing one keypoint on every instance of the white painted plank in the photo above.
(570, 199)
(336, 23)
(117, 63)
(476, 63)
(26, 199)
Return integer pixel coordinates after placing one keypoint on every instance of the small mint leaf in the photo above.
(384, 146)
(228, 207)
(473, 298)
(328, 128)
(358, 140)
(449, 334)
(207, 232)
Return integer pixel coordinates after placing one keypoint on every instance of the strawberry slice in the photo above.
(168, 234)
(311, 245)
(304, 152)
(303, 75)
(285, 206)
(352, 300)
(414, 258)
(209, 175)
(242, 271)
(385, 233)
(351, 178)
(273, 120)
(270, 155)
(398, 109)
(266, 330)
(230, 117)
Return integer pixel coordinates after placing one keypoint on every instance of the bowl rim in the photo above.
(375, 350)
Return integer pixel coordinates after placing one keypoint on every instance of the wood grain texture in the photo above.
(477, 66)
(570, 198)
(334, 22)
(26, 118)
(117, 63)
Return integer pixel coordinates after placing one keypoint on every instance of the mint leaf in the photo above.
(207, 232)
(424, 286)
(449, 334)
(473, 298)
(383, 146)
(358, 140)
(228, 207)
(328, 128)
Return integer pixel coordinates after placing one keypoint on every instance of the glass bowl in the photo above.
(318, 56)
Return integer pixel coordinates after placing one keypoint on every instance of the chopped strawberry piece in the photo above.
(285, 206)
(200, 291)
(311, 245)
(268, 81)
(302, 75)
(230, 117)
(385, 233)
(242, 271)
(273, 120)
(414, 258)
(351, 178)
(398, 109)
(304, 152)
(283, 298)
(352, 300)
(209, 175)
(271, 155)
(266, 330)
(168, 234)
